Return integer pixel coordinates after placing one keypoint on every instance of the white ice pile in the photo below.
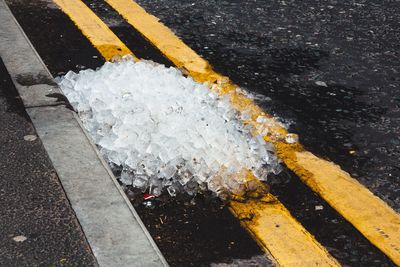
(165, 130)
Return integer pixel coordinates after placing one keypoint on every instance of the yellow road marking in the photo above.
(371, 216)
(276, 231)
(261, 217)
(93, 28)
(378, 222)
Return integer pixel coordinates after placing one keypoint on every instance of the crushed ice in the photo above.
(164, 130)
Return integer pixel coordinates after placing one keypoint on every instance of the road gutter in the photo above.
(111, 225)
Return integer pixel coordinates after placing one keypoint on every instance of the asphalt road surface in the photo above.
(329, 69)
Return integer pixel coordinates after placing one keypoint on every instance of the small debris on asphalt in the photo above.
(319, 207)
(30, 137)
(320, 83)
(149, 204)
(19, 238)
(148, 196)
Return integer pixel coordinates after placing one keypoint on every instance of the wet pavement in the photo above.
(38, 225)
(331, 70)
(199, 231)
(256, 44)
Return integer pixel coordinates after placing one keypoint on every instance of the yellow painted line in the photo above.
(101, 37)
(370, 215)
(276, 231)
(266, 219)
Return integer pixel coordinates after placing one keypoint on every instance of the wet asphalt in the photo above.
(38, 225)
(287, 51)
(331, 69)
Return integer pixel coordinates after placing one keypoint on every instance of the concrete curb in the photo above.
(111, 225)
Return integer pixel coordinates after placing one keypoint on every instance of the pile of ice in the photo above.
(165, 130)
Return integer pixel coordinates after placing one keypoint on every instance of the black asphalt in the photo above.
(283, 49)
(232, 36)
(37, 224)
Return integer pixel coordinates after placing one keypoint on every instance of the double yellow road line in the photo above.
(267, 219)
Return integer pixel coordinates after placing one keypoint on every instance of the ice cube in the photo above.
(291, 138)
(140, 181)
(168, 171)
(126, 177)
